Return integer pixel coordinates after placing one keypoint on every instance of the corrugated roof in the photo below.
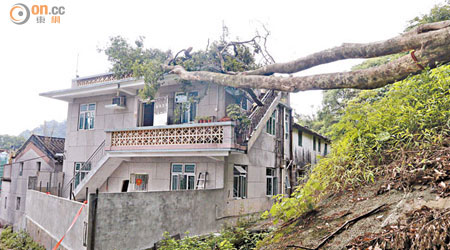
(308, 130)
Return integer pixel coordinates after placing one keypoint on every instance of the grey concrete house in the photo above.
(307, 146)
(37, 165)
(175, 163)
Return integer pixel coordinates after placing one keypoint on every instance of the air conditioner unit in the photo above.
(118, 102)
(180, 98)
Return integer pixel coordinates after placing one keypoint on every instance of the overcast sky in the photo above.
(39, 57)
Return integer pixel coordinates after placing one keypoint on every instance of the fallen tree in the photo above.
(429, 46)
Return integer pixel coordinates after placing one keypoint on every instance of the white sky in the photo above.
(37, 58)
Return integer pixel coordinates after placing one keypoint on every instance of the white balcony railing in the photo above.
(196, 136)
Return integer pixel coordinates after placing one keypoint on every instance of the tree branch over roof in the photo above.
(430, 43)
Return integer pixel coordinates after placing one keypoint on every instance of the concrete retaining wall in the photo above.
(47, 217)
(138, 220)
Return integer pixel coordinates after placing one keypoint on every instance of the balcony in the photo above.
(174, 139)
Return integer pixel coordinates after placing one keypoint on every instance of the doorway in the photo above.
(125, 186)
(147, 114)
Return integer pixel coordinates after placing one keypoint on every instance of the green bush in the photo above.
(233, 238)
(18, 240)
(376, 126)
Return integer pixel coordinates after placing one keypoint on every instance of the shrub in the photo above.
(376, 127)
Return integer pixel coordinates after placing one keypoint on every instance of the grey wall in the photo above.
(48, 217)
(159, 171)
(10, 213)
(138, 220)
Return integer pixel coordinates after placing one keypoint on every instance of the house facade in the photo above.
(37, 165)
(117, 142)
(307, 146)
(174, 163)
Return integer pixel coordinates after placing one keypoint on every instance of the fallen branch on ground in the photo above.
(346, 224)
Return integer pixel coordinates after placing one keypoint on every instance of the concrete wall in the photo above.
(10, 212)
(138, 220)
(306, 151)
(159, 171)
(48, 217)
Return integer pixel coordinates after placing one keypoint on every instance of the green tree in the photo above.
(335, 101)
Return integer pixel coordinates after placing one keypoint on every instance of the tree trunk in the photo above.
(431, 43)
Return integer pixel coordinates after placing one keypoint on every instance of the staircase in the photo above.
(260, 115)
(98, 167)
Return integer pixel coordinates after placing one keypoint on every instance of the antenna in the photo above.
(76, 70)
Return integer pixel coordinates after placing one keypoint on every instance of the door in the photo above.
(147, 114)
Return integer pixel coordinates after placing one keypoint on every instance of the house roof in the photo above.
(310, 131)
(53, 147)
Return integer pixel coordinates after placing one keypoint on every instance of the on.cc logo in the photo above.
(19, 13)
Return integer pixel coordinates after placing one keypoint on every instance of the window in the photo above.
(183, 176)
(38, 166)
(32, 182)
(186, 104)
(318, 145)
(140, 181)
(314, 143)
(87, 116)
(6, 201)
(21, 169)
(325, 151)
(271, 182)
(270, 125)
(239, 182)
(18, 203)
(80, 172)
(286, 124)
(300, 138)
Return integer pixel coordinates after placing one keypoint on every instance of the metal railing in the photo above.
(86, 167)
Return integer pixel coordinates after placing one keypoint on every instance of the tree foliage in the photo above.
(11, 142)
(374, 129)
(220, 56)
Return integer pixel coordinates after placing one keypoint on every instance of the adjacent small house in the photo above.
(307, 146)
(37, 165)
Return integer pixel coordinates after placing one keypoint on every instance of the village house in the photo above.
(37, 165)
(176, 163)
(308, 146)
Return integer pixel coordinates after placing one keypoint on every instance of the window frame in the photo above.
(325, 150)
(314, 143)
(242, 182)
(145, 182)
(190, 113)
(271, 180)
(82, 118)
(286, 124)
(318, 144)
(271, 124)
(300, 138)
(182, 176)
(18, 203)
(35, 182)
(83, 173)
(21, 168)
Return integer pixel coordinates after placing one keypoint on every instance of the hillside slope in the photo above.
(386, 181)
